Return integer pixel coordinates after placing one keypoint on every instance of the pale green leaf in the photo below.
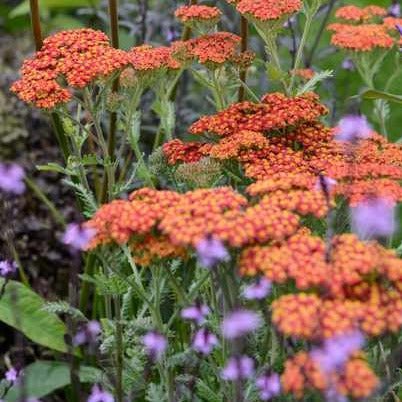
(41, 327)
(44, 377)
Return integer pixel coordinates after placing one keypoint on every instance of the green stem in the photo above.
(119, 351)
(309, 19)
(244, 45)
(58, 217)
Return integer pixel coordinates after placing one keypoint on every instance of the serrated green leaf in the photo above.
(42, 327)
(54, 167)
(44, 377)
(206, 393)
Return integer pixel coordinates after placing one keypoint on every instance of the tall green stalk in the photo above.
(244, 45)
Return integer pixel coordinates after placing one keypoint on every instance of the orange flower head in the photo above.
(177, 151)
(198, 14)
(268, 10)
(362, 38)
(147, 59)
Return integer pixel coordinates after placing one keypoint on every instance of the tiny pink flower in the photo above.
(78, 237)
(239, 323)
(211, 251)
(7, 268)
(238, 368)
(336, 351)
(204, 341)
(12, 375)
(258, 290)
(88, 334)
(12, 178)
(196, 313)
(269, 386)
(155, 344)
(353, 128)
(99, 395)
(375, 217)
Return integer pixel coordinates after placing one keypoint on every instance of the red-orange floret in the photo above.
(80, 56)
(357, 14)
(275, 112)
(197, 13)
(362, 38)
(211, 49)
(119, 220)
(146, 58)
(302, 374)
(230, 147)
(177, 151)
(304, 73)
(268, 10)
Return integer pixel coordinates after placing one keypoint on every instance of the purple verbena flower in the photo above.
(399, 28)
(211, 251)
(336, 351)
(7, 268)
(78, 237)
(258, 290)
(394, 10)
(12, 178)
(238, 368)
(347, 64)
(375, 217)
(332, 395)
(155, 344)
(196, 313)
(240, 323)
(12, 375)
(99, 395)
(269, 386)
(353, 128)
(204, 341)
(88, 334)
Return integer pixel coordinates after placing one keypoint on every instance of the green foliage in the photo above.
(62, 307)
(44, 377)
(22, 309)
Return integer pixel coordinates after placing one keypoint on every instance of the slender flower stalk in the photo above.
(244, 45)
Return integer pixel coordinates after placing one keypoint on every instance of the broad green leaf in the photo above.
(40, 326)
(23, 8)
(44, 377)
(374, 94)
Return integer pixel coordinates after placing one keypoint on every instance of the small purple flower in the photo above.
(336, 351)
(99, 395)
(196, 313)
(353, 128)
(347, 64)
(78, 237)
(325, 184)
(204, 341)
(12, 178)
(7, 268)
(399, 28)
(258, 290)
(269, 386)
(332, 395)
(211, 251)
(240, 323)
(375, 217)
(394, 10)
(88, 334)
(155, 344)
(12, 375)
(238, 368)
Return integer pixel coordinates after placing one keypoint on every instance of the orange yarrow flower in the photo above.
(199, 13)
(268, 10)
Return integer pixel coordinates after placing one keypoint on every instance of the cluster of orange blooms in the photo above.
(302, 373)
(361, 33)
(80, 56)
(198, 13)
(267, 10)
